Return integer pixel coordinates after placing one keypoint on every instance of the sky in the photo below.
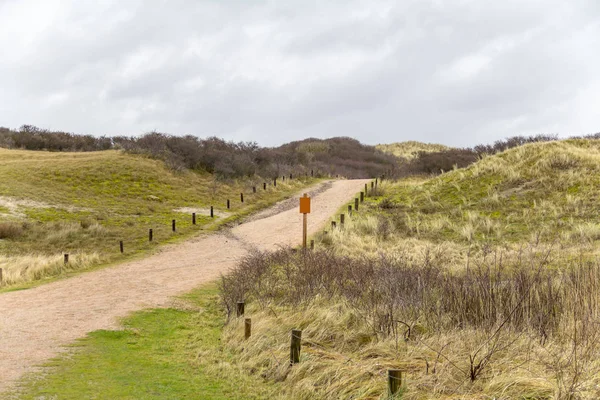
(457, 72)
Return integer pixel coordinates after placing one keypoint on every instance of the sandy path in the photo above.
(35, 324)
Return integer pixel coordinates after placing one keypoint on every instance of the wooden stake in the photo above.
(366, 193)
(0, 276)
(362, 196)
(66, 258)
(173, 226)
(228, 205)
(253, 189)
(149, 235)
(394, 381)
(275, 182)
(356, 204)
(242, 197)
(342, 217)
(350, 210)
(295, 346)
(247, 328)
(240, 308)
(121, 246)
(265, 185)
(212, 212)
(193, 218)
(333, 225)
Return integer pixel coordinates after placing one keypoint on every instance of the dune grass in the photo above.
(85, 203)
(410, 149)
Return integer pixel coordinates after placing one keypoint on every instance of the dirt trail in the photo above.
(35, 324)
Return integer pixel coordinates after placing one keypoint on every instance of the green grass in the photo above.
(171, 353)
(85, 203)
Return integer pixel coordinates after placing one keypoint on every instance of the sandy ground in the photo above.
(36, 324)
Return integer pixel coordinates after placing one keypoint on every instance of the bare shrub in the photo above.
(10, 230)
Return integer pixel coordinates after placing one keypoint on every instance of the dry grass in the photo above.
(410, 149)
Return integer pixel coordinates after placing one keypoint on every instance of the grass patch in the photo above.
(171, 353)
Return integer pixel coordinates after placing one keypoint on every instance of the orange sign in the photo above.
(305, 205)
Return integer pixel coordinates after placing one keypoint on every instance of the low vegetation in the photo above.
(411, 149)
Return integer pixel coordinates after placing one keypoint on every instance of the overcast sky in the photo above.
(457, 72)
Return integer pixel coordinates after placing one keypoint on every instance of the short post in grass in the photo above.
(362, 196)
(228, 204)
(375, 182)
(312, 244)
(295, 346)
(342, 218)
(333, 225)
(275, 182)
(349, 210)
(290, 176)
(372, 185)
(121, 247)
(173, 226)
(66, 258)
(149, 235)
(247, 328)
(366, 193)
(312, 172)
(253, 189)
(394, 381)
(240, 308)
(193, 218)
(242, 197)
(264, 185)
(0, 276)
(212, 212)
(283, 178)
(356, 204)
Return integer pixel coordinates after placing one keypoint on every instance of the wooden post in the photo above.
(362, 196)
(375, 181)
(295, 346)
(149, 235)
(312, 244)
(275, 182)
(66, 258)
(394, 381)
(356, 204)
(342, 217)
(253, 189)
(121, 247)
(247, 328)
(312, 172)
(283, 178)
(290, 176)
(240, 308)
(242, 197)
(372, 185)
(366, 193)
(350, 210)
(265, 185)
(193, 218)
(0, 276)
(333, 225)
(228, 205)
(212, 212)
(173, 226)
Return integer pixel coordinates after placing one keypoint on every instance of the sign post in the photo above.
(305, 210)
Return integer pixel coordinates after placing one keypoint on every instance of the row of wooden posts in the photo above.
(394, 375)
(363, 194)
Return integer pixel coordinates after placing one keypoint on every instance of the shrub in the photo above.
(10, 230)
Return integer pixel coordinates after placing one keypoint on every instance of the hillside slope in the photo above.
(410, 149)
(85, 203)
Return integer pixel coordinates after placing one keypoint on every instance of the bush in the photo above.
(10, 230)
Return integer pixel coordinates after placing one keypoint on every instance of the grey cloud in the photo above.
(455, 72)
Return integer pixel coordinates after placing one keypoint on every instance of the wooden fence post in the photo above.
(228, 205)
(242, 197)
(173, 226)
(333, 225)
(312, 244)
(149, 235)
(253, 189)
(350, 210)
(362, 196)
(342, 217)
(312, 172)
(212, 212)
(193, 218)
(356, 204)
(275, 182)
(295, 346)
(121, 247)
(240, 308)
(290, 176)
(0, 276)
(66, 258)
(265, 185)
(394, 381)
(372, 185)
(366, 193)
(375, 181)
(247, 328)
(283, 178)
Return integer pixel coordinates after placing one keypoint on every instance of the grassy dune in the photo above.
(480, 283)
(85, 203)
(410, 149)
